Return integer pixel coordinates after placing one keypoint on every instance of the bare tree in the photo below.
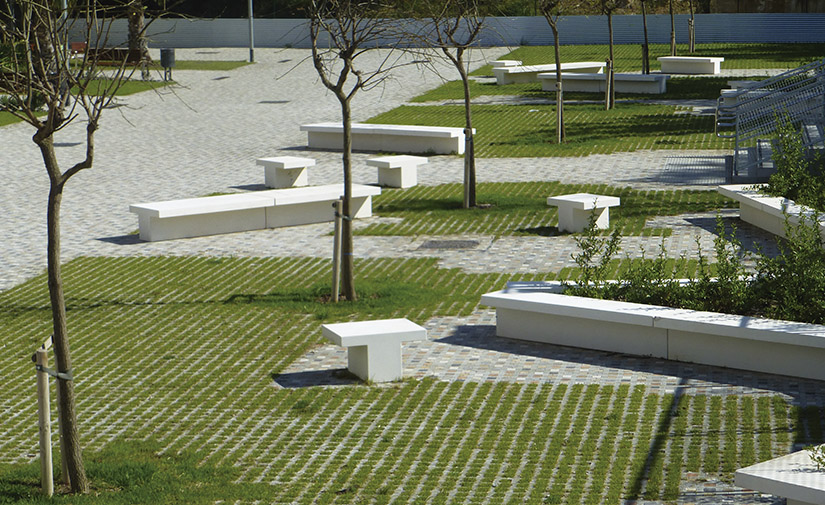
(672, 29)
(349, 29)
(691, 29)
(552, 11)
(38, 74)
(608, 7)
(136, 16)
(456, 26)
(646, 47)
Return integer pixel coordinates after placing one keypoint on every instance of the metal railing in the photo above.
(751, 115)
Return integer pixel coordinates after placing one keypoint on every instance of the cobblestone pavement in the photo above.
(204, 135)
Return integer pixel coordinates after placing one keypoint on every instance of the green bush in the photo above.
(790, 286)
(799, 171)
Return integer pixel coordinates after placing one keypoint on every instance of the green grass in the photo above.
(628, 57)
(529, 130)
(174, 360)
(521, 209)
(678, 88)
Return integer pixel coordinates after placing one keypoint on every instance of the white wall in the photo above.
(504, 31)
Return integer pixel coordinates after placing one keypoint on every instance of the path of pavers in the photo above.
(204, 136)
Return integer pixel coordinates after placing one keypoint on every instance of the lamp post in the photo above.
(251, 34)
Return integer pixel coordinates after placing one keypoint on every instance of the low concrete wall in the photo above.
(512, 31)
(747, 343)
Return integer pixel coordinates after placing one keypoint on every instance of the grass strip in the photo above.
(513, 131)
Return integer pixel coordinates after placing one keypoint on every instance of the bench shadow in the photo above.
(250, 187)
(122, 239)
(707, 377)
(335, 377)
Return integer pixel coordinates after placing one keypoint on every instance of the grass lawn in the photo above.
(521, 209)
(628, 57)
(529, 130)
(174, 365)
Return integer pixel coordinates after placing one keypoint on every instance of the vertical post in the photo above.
(251, 34)
(336, 251)
(44, 418)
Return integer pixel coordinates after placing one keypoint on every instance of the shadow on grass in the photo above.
(313, 378)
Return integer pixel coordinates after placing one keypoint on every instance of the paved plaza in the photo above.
(204, 135)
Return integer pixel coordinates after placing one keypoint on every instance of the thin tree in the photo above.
(456, 27)
(552, 10)
(691, 29)
(646, 48)
(672, 29)
(608, 7)
(349, 29)
(49, 92)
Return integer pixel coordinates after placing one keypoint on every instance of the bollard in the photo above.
(44, 417)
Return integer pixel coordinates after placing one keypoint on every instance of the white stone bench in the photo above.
(313, 204)
(793, 476)
(505, 63)
(374, 347)
(388, 138)
(285, 171)
(530, 73)
(748, 343)
(575, 210)
(691, 64)
(767, 212)
(397, 171)
(623, 83)
(213, 215)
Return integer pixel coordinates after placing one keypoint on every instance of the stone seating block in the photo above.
(691, 64)
(592, 83)
(397, 171)
(285, 171)
(374, 347)
(575, 210)
(505, 63)
(388, 138)
(793, 476)
(529, 73)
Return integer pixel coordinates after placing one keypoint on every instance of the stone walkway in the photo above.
(204, 135)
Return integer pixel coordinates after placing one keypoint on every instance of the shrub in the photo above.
(799, 173)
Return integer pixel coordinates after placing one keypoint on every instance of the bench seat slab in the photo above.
(199, 225)
(575, 210)
(286, 171)
(397, 171)
(374, 347)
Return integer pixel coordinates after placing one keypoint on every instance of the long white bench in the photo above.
(623, 83)
(388, 138)
(213, 215)
(374, 347)
(748, 343)
(529, 73)
(691, 64)
(793, 476)
(767, 212)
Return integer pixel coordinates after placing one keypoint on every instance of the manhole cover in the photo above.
(449, 244)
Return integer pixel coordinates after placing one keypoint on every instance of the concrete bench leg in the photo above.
(377, 362)
(577, 220)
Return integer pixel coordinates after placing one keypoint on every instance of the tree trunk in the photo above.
(70, 439)
(646, 55)
(347, 266)
(672, 30)
(691, 29)
(611, 94)
(137, 39)
(469, 149)
(560, 135)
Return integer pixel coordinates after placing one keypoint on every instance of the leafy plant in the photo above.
(799, 171)
(593, 260)
(817, 455)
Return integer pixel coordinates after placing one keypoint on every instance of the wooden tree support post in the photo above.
(336, 251)
(44, 417)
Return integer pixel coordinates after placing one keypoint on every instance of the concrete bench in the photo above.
(374, 347)
(388, 138)
(505, 63)
(575, 210)
(213, 215)
(767, 212)
(691, 64)
(397, 171)
(748, 343)
(793, 476)
(623, 83)
(285, 171)
(313, 204)
(529, 73)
